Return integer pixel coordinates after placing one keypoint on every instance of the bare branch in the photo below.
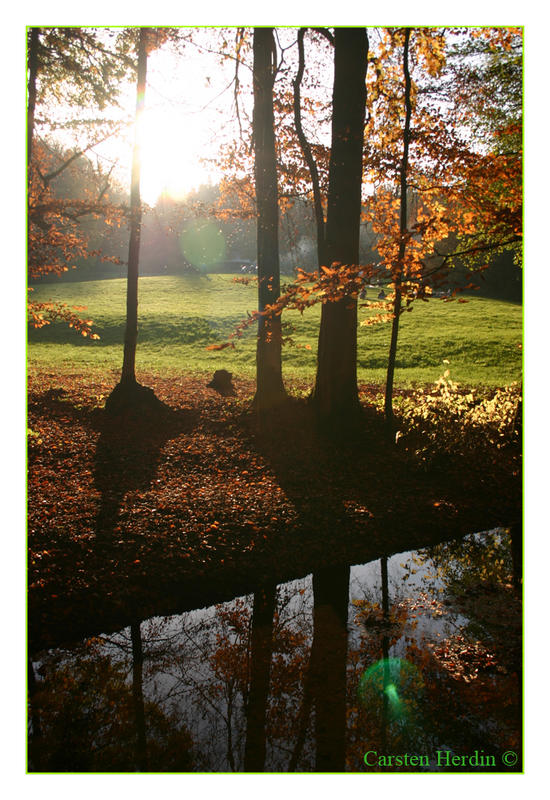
(306, 150)
(50, 176)
(326, 33)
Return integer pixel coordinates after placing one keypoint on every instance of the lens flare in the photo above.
(392, 694)
(397, 679)
(202, 244)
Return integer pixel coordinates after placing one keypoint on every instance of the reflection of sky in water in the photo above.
(408, 581)
(180, 671)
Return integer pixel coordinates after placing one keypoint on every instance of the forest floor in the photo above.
(159, 512)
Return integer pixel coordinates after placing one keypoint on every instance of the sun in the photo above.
(172, 145)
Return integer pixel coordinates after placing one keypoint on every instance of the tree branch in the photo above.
(326, 33)
(306, 150)
(50, 176)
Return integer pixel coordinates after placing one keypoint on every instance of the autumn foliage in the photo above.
(464, 191)
(56, 240)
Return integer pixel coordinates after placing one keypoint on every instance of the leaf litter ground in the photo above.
(194, 503)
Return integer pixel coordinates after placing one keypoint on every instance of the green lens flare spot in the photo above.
(202, 244)
(395, 679)
(391, 693)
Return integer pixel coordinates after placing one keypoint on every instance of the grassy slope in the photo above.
(180, 316)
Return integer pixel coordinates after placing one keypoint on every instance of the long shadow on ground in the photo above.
(127, 455)
(181, 523)
(354, 488)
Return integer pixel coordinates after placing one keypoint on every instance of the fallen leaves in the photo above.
(201, 490)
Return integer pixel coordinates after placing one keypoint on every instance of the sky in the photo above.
(189, 114)
(189, 111)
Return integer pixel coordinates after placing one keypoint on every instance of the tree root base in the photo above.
(131, 396)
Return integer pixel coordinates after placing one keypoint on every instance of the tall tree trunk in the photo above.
(260, 663)
(399, 267)
(130, 337)
(31, 97)
(329, 656)
(335, 393)
(269, 381)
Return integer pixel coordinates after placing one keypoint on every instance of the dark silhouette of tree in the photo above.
(31, 97)
(137, 695)
(128, 391)
(269, 382)
(335, 393)
(397, 276)
(308, 153)
(329, 653)
(258, 693)
(130, 338)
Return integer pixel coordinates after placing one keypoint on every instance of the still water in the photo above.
(411, 662)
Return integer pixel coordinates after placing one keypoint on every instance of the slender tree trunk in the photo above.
(137, 693)
(308, 155)
(128, 375)
(335, 394)
(399, 267)
(269, 381)
(385, 649)
(261, 649)
(31, 99)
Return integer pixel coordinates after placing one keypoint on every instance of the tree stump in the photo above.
(222, 384)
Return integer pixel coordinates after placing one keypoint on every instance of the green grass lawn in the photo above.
(180, 316)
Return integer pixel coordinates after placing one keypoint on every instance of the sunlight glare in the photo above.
(171, 149)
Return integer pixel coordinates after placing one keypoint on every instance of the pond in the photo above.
(412, 662)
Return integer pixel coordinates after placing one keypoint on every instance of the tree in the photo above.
(308, 153)
(67, 68)
(438, 195)
(269, 382)
(442, 195)
(486, 72)
(398, 269)
(335, 393)
(337, 282)
(128, 392)
(261, 647)
(128, 375)
(31, 95)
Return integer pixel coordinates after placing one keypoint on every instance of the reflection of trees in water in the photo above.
(199, 668)
(261, 645)
(328, 666)
(383, 690)
(137, 695)
(464, 563)
(453, 678)
(87, 702)
(220, 679)
(482, 661)
(273, 681)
